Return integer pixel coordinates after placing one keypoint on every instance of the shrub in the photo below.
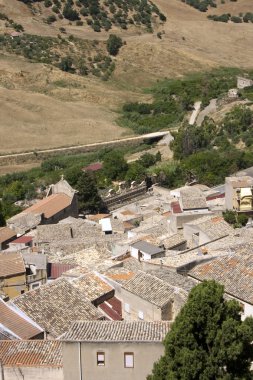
(113, 44)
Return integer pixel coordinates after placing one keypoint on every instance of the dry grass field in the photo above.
(43, 107)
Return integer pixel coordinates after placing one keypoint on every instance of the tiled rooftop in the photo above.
(11, 264)
(150, 288)
(173, 241)
(173, 278)
(90, 258)
(16, 324)
(117, 331)
(214, 226)
(56, 305)
(92, 286)
(6, 233)
(22, 240)
(235, 272)
(31, 353)
(119, 274)
(50, 206)
(192, 198)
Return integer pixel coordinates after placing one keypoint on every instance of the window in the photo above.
(127, 308)
(100, 358)
(140, 315)
(128, 360)
(36, 285)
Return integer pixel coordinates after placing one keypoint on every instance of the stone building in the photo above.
(55, 306)
(106, 350)
(239, 194)
(59, 203)
(147, 297)
(6, 236)
(30, 360)
(12, 275)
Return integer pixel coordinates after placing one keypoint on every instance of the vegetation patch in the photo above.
(173, 98)
(225, 17)
(73, 55)
(103, 14)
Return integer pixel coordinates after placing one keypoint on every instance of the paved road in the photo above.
(195, 113)
(212, 106)
(94, 145)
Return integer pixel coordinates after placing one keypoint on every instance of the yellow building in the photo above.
(12, 275)
(239, 194)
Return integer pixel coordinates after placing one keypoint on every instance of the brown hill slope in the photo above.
(58, 109)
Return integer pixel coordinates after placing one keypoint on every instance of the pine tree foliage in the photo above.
(88, 197)
(208, 340)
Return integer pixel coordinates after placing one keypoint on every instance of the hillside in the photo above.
(58, 108)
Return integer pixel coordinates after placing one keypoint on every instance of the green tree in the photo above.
(2, 219)
(113, 44)
(66, 64)
(114, 165)
(147, 160)
(230, 217)
(88, 197)
(208, 340)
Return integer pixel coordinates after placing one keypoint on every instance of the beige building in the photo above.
(106, 350)
(146, 297)
(55, 306)
(59, 203)
(6, 236)
(12, 275)
(31, 360)
(239, 194)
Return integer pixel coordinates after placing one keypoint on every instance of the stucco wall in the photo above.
(32, 373)
(13, 286)
(145, 354)
(137, 304)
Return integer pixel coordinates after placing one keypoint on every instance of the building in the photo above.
(60, 202)
(206, 229)
(12, 275)
(6, 236)
(21, 243)
(235, 272)
(239, 194)
(105, 350)
(55, 306)
(147, 297)
(30, 360)
(36, 269)
(142, 250)
(243, 82)
(94, 288)
(189, 204)
(15, 325)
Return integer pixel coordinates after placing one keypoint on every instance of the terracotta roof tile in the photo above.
(22, 240)
(92, 286)
(6, 233)
(11, 264)
(50, 206)
(233, 271)
(19, 326)
(31, 353)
